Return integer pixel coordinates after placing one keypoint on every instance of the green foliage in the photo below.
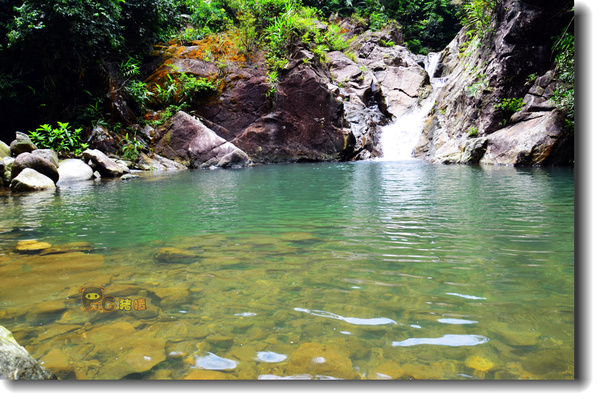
(473, 132)
(56, 51)
(427, 25)
(138, 91)
(62, 139)
(130, 148)
(510, 105)
(208, 16)
(478, 17)
(564, 95)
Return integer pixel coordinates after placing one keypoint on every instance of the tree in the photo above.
(53, 54)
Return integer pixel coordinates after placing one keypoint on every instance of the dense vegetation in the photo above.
(66, 60)
(564, 96)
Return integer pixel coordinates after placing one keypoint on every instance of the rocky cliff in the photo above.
(513, 60)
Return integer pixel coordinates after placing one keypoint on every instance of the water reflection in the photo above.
(446, 340)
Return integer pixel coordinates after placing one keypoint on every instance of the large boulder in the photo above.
(102, 163)
(31, 180)
(188, 141)
(22, 143)
(36, 162)
(47, 154)
(72, 170)
(16, 363)
(532, 142)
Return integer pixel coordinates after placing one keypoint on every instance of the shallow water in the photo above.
(369, 270)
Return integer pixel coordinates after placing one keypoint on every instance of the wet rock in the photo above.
(102, 163)
(31, 180)
(4, 150)
(21, 144)
(37, 163)
(188, 141)
(73, 170)
(129, 176)
(321, 361)
(16, 363)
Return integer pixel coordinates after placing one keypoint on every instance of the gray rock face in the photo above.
(186, 140)
(16, 363)
(530, 142)
(102, 163)
(21, 144)
(4, 150)
(73, 170)
(31, 180)
(36, 162)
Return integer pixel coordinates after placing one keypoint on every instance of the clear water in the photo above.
(368, 270)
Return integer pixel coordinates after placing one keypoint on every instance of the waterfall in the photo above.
(399, 139)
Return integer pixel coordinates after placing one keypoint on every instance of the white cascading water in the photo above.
(399, 139)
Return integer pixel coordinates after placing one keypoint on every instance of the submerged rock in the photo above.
(16, 363)
(320, 361)
(136, 351)
(31, 246)
(175, 255)
(31, 180)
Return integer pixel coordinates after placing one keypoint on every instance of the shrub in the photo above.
(564, 95)
(62, 139)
